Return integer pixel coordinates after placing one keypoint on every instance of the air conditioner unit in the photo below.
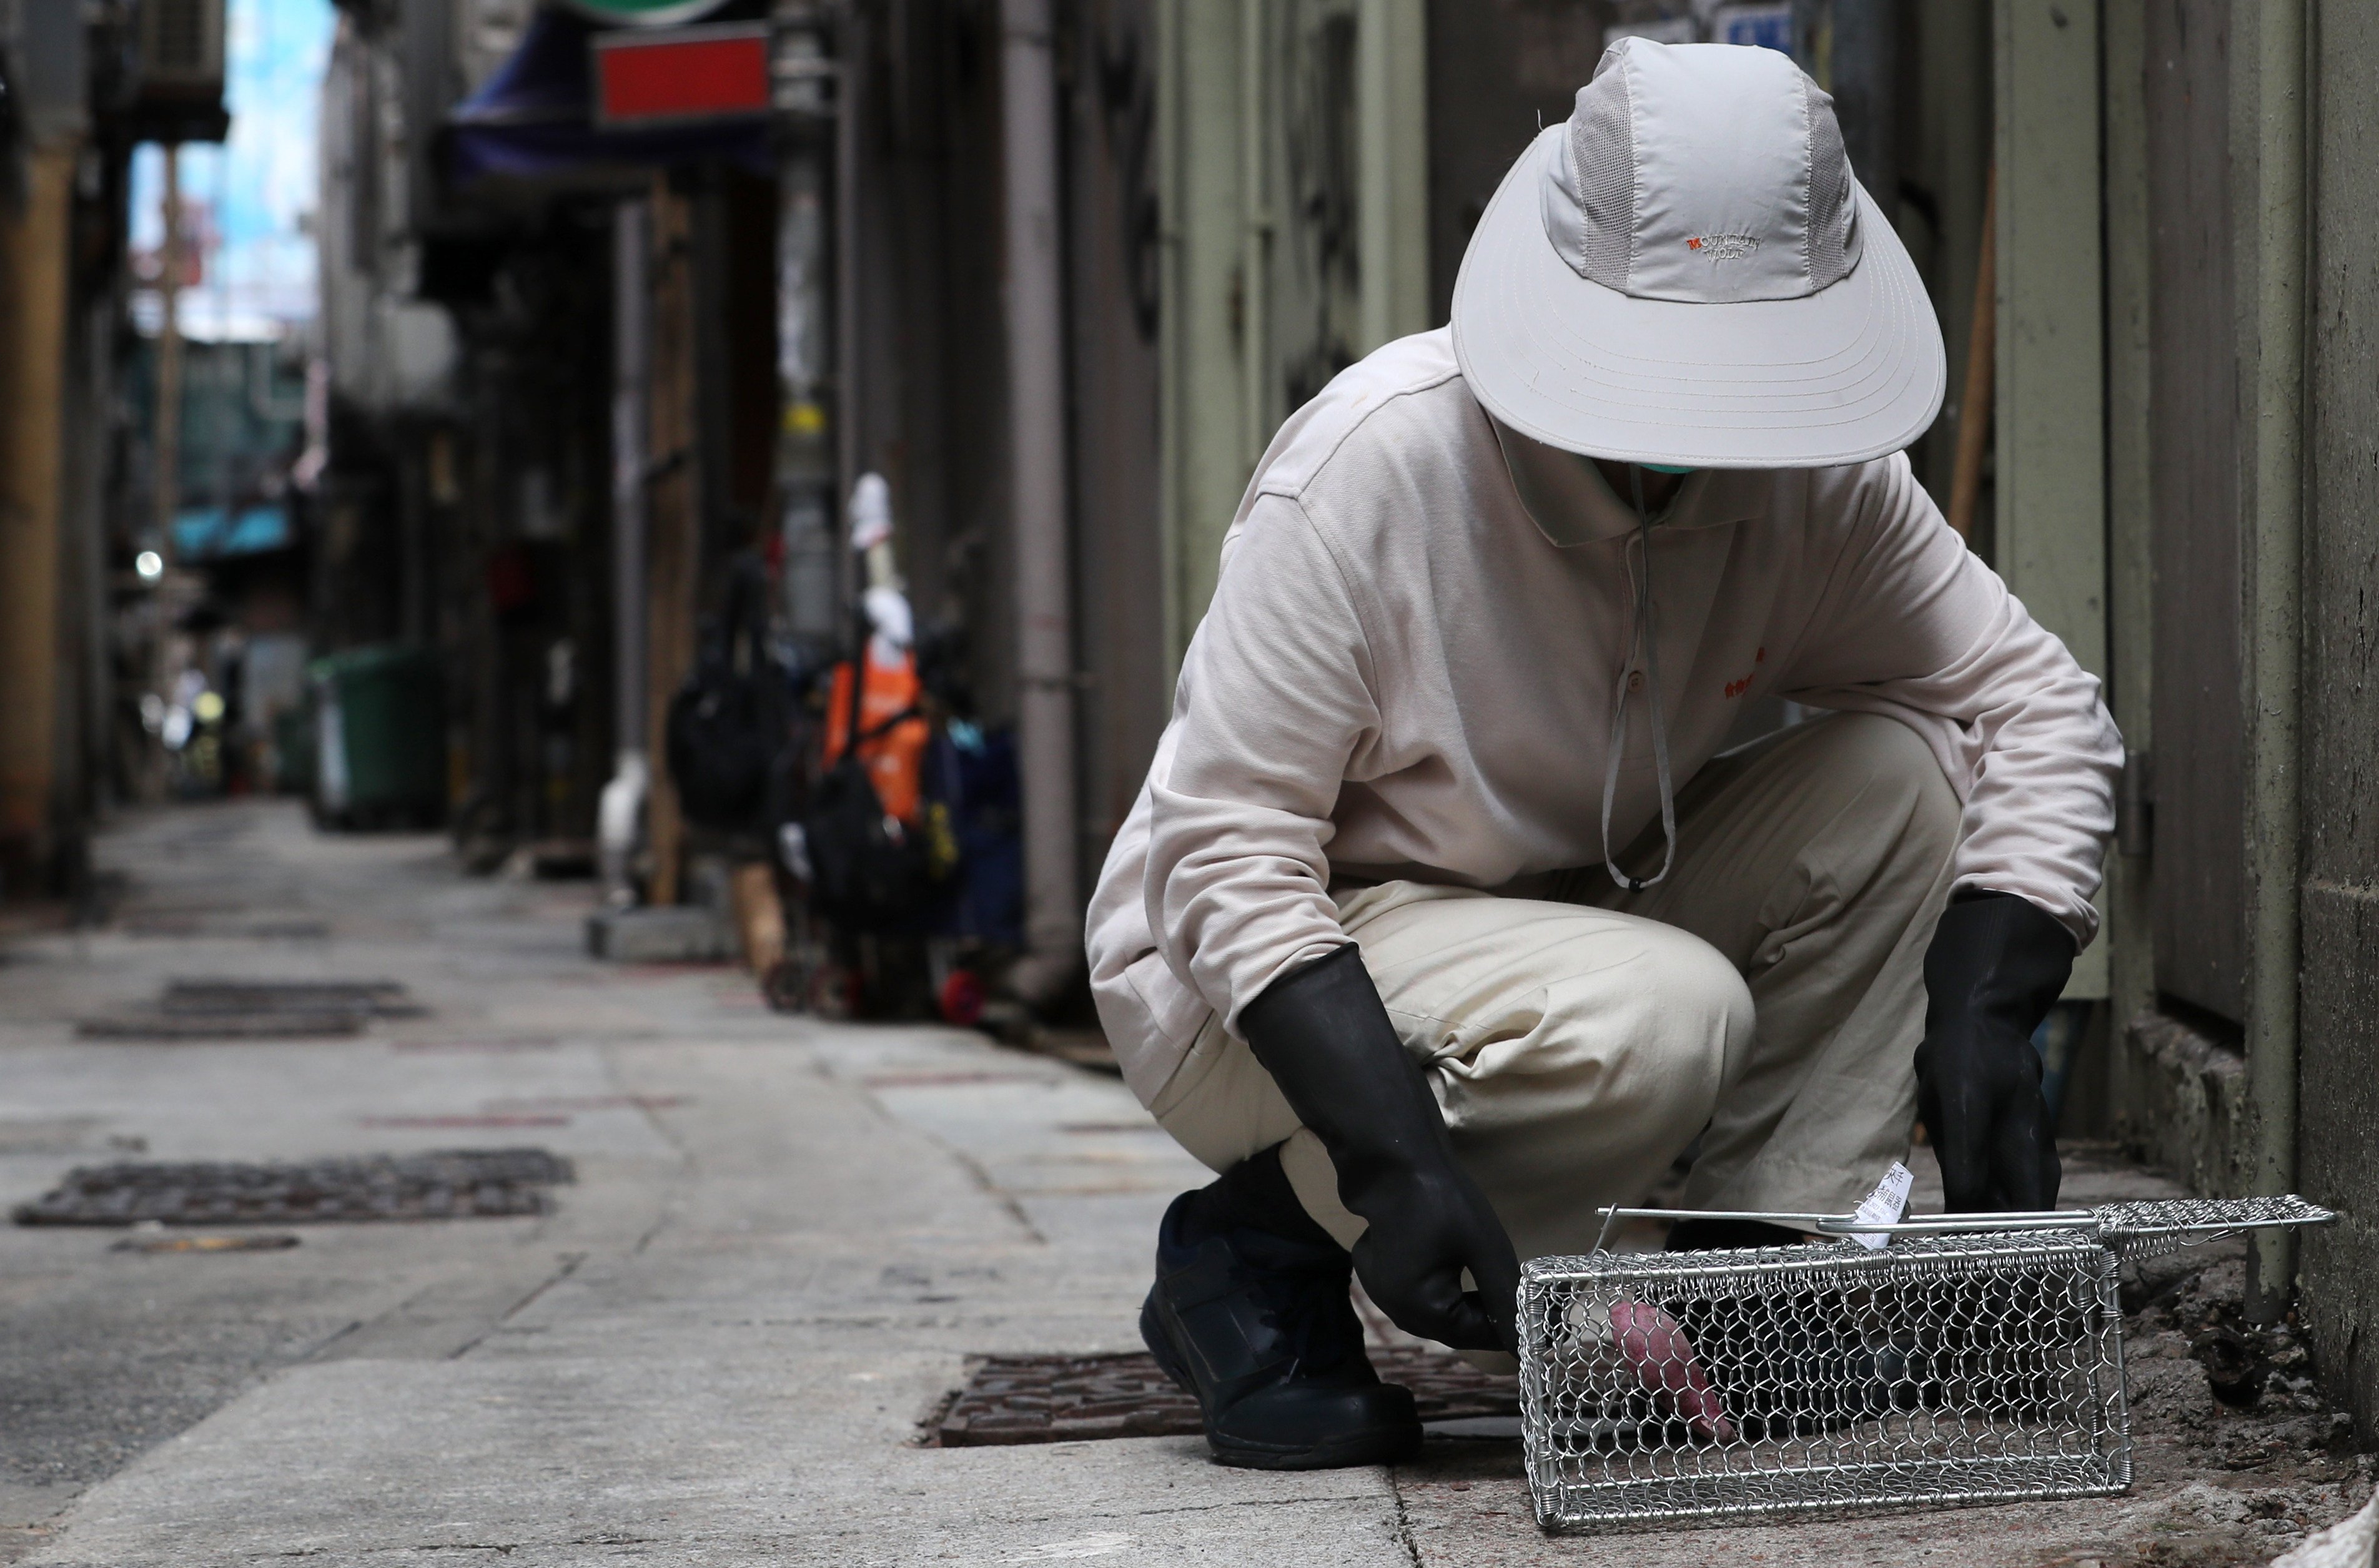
(181, 71)
(182, 45)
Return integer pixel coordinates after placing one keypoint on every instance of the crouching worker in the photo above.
(1444, 917)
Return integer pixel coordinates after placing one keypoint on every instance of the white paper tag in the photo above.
(1885, 1205)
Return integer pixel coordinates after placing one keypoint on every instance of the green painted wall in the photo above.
(1293, 195)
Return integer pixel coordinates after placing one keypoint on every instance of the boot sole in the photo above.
(1346, 1454)
(1338, 1453)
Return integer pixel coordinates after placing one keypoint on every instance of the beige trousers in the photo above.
(1768, 995)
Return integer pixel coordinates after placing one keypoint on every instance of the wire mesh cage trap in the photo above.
(1976, 1358)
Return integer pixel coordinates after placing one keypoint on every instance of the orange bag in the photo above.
(895, 757)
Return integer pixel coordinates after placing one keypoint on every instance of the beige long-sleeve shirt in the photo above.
(1410, 661)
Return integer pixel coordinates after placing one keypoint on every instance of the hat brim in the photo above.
(1847, 374)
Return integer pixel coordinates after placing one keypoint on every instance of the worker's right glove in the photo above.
(1323, 1035)
(1997, 963)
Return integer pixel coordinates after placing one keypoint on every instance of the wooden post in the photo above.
(1982, 350)
(33, 289)
(759, 916)
(674, 518)
(2048, 409)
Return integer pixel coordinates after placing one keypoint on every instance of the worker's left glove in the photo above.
(1997, 964)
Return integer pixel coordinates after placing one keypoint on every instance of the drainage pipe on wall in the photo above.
(854, 52)
(622, 805)
(1036, 414)
(2270, 216)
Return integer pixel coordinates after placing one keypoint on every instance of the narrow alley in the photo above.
(1406, 782)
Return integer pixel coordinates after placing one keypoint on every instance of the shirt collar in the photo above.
(1567, 497)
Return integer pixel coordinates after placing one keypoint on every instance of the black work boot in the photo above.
(1250, 1313)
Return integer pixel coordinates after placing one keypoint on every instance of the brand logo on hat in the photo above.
(1724, 247)
(1679, 154)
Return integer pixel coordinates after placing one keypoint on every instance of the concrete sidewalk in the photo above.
(784, 1239)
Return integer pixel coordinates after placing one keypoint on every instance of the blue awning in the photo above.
(213, 533)
(533, 119)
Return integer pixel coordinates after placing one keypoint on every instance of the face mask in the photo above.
(1664, 468)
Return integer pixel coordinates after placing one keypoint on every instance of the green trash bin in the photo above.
(381, 738)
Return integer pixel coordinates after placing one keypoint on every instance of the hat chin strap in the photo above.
(1650, 644)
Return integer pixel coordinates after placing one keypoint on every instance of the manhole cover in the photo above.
(451, 1184)
(1018, 1399)
(216, 1008)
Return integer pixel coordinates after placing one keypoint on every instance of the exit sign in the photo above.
(681, 75)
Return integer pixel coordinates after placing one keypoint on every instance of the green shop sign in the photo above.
(646, 13)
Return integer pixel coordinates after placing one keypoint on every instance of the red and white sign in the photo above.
(681, 75)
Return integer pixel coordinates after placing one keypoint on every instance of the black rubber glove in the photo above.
(1322, 1033)
(1997, 964)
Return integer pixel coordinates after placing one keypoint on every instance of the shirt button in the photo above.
(1635, 680)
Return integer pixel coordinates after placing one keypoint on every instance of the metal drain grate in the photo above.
(247, 1241)
(216, 1008)
(448, 1185)
(275, 1025)
(378, 998)
(1021, 1399)
(219, 925)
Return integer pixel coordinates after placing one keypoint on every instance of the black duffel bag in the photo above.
(727, 723)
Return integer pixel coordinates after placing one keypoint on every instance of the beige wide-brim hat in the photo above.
(1687, 272)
